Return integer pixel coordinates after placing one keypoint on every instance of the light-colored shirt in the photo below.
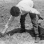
(25, 3)
(26, 6)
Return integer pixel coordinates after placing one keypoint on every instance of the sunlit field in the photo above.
(18, 38)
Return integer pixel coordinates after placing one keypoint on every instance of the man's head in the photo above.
(15, 11)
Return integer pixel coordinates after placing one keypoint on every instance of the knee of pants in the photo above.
(22, 19)
(32, 15)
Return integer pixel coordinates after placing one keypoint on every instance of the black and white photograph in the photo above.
(21, 21)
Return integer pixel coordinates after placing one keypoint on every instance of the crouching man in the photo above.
(23, 8)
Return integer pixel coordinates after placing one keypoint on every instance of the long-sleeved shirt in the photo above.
(27, 6)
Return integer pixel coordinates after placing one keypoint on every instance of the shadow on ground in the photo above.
(31, 32)
(18, 31)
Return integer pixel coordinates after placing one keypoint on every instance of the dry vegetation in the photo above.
(24, 38)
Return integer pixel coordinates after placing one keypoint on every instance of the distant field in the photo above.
(4, 12)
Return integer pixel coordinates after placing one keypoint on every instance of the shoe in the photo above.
(37, 39)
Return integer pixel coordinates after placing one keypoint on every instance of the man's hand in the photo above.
(40, 21)
(6, 27)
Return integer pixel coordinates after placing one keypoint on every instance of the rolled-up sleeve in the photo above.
(33, 10)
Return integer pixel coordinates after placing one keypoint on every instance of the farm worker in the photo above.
(23, 8)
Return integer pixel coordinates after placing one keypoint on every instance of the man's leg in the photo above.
(22, 22)
(34, 20)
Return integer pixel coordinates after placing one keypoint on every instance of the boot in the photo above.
(37, 38)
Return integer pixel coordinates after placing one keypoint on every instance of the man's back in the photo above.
(25, 3)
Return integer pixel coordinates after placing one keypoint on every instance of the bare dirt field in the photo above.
(18, 38)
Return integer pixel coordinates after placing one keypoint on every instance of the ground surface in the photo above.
(18, 38)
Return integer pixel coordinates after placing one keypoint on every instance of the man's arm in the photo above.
(33, 10)
(8, 24)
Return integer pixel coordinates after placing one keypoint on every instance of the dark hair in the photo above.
(15, 11)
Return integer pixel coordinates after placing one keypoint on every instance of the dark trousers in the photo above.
(34, 20)
(22, 21)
